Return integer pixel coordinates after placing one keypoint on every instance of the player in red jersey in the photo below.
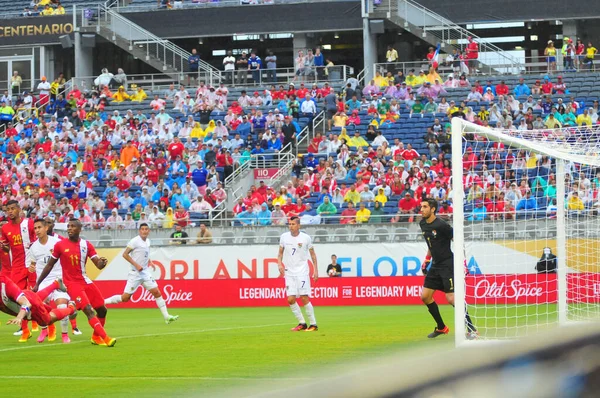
(27, 304)
(73, 254)
(72, 318)
(17, 236)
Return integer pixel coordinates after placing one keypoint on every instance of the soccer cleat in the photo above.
(77, 332)
(61, 285)
(65, 338)
(43, 335)
(51, 333)
(472, 335)
(97, 340)
(110, 342)
(171, 318)
(34, 326)
(301, 326)
(25, 336)
(312, 328)
(18, 332)
(436, 332)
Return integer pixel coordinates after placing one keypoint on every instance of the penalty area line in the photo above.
(28, 347)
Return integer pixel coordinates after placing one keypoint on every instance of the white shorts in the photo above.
(297, 285)
(55, 295)
(135, 279)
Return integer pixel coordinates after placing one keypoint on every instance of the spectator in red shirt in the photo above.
(176, 148)
(302, 191)
(472, 51)
(547, 87)
(445, 211)
(349, 215)
(181, 217)
(502, 89)
(409, 153)
(122, 184)
(407, 207)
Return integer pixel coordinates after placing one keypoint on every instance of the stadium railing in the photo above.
(531, 65)
(229, 231)
(157, 81)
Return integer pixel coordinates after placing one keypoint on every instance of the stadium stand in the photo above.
(401, 152)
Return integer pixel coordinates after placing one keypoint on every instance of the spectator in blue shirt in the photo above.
(247, 217)
(274, 143)
(264, 215)
(319, 61)
(139, 199)
(324, 194)
(310, 161)
(194, 63)
(522, 88)
(69, 186)
(353, 104)
(199, 175)
(527, 203)
(490, 86)
(254, 65)
(257, 149)
(479, 212)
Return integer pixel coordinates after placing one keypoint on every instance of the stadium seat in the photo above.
(227, 238)
(272, 236)
(248, 237)
(362, 235)
(381, 234)
(342, 235)
(400, 234)
(321, 235)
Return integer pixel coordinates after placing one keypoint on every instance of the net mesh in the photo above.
(512, 227)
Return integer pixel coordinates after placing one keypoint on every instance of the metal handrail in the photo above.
(106, 15)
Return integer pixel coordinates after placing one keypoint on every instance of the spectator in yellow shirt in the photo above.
(532, 161)
(357, 140)
(380, 197)
(552, 123)
(380, 81)
(584, 118)
(139, 95)
(363, 214)
(575, 203)
(121, 95)
(340, 119)
(60, 10)
(47, 11)
(411, 79)
(352, 195)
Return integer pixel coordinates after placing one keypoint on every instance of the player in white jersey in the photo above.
(294, 250)
(40, 251)
(137, 253)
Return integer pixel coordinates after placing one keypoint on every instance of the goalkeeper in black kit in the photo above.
(438, 235)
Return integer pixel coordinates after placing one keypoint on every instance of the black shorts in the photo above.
(440, 278)
(331, 114)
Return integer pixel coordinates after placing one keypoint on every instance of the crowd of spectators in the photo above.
(113, 170)
(44, 8)
(353, 176)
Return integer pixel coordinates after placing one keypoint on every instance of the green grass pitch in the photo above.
(208, 350)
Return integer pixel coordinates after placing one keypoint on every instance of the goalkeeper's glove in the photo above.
(426, 264)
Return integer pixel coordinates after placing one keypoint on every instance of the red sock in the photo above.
(97, 326)
(45, 292)
(73, 323)
(60, 313)
(24, 327)
(102, 321)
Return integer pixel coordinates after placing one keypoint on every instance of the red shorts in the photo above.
(85, 294)
(19, 277)
(40, 312)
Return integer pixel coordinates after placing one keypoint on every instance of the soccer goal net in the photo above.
(526, 213)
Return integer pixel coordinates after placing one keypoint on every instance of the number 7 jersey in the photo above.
(296, 253)
(40, 254)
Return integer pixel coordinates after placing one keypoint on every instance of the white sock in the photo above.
(310, 312)
(162, 306)
(297, 312)
(64, 323)
(116, 299)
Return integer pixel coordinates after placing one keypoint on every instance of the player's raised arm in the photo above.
(313, 257)
(280, 261)
(130, 260)
(47, 269)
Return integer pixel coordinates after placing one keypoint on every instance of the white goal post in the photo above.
(511, 205)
